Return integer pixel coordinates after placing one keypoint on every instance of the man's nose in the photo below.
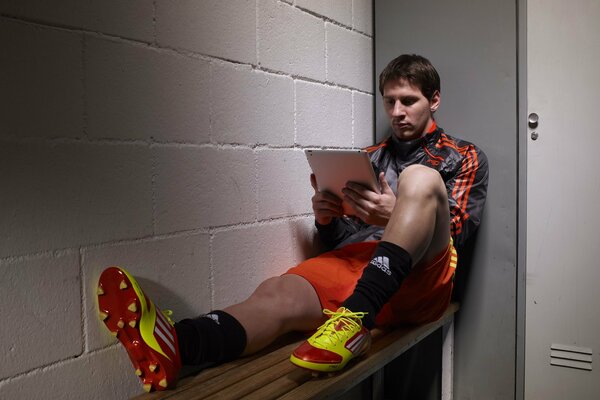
(398, 110)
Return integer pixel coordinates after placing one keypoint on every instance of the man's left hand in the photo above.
(371, 207)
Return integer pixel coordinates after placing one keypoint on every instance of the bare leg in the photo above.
(420, 222)
(277, 306)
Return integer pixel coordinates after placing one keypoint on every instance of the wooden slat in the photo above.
(203, 376)
(202, 390)
(280, 386)
(254, 382)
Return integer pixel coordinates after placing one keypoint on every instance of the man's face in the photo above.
(410, 113)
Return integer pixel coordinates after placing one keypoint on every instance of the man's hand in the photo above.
(371, 207)
(325, 205)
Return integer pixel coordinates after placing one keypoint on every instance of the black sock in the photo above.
(215, 337)
(380, 280)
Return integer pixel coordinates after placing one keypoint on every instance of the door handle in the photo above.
(533, 120)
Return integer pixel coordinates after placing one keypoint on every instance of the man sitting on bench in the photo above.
(392, 263)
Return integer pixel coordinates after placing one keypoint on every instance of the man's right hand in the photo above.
(326, 206)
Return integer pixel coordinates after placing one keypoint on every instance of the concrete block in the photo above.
(224, 29)
(41, 82)
(266, 250)
(106, 374)
(283, 183)
(41, 312)
(337, 10)
(323, 115)
(203, 187)
(362, 16)
(246, 256)
(252, 107)
(129, 19)
(349, 58)
(306, 240)
(290, 40)
(364, 111)
(137, 92)
(69, 194)
(173, 272)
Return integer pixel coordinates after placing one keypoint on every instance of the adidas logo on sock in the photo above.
(214, 317)
(383, 263)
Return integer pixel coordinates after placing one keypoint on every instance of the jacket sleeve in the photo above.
(337, 231)
(467, 192)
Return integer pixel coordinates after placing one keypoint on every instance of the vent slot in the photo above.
(562, 355)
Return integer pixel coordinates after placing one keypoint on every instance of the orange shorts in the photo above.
(423, 296)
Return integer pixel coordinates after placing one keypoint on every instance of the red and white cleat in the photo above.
(146, 332)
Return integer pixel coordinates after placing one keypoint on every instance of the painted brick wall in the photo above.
(167, 137)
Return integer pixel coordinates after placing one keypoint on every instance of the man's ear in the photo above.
(434, 103)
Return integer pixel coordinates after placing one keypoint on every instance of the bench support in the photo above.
(377, 383)
(448, 360)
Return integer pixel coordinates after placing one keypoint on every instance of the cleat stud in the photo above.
(103, 315)
(123, 285)
(152, 367)
(132, 323)
(121, 324)
(132, 307)
(147, 387)
(138, 372)
(115, 333)
(100, 291)
(163, 383)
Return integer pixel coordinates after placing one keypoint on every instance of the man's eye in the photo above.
(409, 102)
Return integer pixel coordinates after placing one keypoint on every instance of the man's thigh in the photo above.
(334, 274)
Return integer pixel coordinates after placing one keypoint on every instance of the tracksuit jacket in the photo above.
(462, 165)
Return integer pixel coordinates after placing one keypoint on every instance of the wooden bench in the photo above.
(270, 374)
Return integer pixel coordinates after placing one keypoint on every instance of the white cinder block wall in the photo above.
(165, 136)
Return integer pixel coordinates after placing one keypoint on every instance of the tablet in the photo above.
(334, 168)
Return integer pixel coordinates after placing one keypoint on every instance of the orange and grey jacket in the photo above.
(462, 165)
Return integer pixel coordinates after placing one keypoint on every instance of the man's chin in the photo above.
(405, 134)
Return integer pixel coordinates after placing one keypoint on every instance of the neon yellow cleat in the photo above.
(146, 332)
(335, 343)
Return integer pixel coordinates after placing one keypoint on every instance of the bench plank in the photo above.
(254, 382)
(280, 386)
(214, 379)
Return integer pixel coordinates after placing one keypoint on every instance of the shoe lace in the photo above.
(168, 314)
(351, 322)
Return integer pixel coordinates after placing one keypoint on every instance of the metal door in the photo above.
(562, 323)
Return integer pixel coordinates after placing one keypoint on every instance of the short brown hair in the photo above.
(415, 69)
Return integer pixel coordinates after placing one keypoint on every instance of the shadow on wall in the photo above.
(61, 195)
(156, 289)
(465, 257)
(306, 240)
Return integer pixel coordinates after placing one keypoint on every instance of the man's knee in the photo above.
(420, 180)
(270, 289)
(285, 292)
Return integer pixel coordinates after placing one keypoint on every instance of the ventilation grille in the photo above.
(562, 355)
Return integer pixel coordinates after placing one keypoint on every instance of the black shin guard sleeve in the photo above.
(215, 337)
(380, 280)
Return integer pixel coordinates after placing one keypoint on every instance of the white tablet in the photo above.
(334, 168)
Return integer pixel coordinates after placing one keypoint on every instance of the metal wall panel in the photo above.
(473, 46)
(562, 320)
